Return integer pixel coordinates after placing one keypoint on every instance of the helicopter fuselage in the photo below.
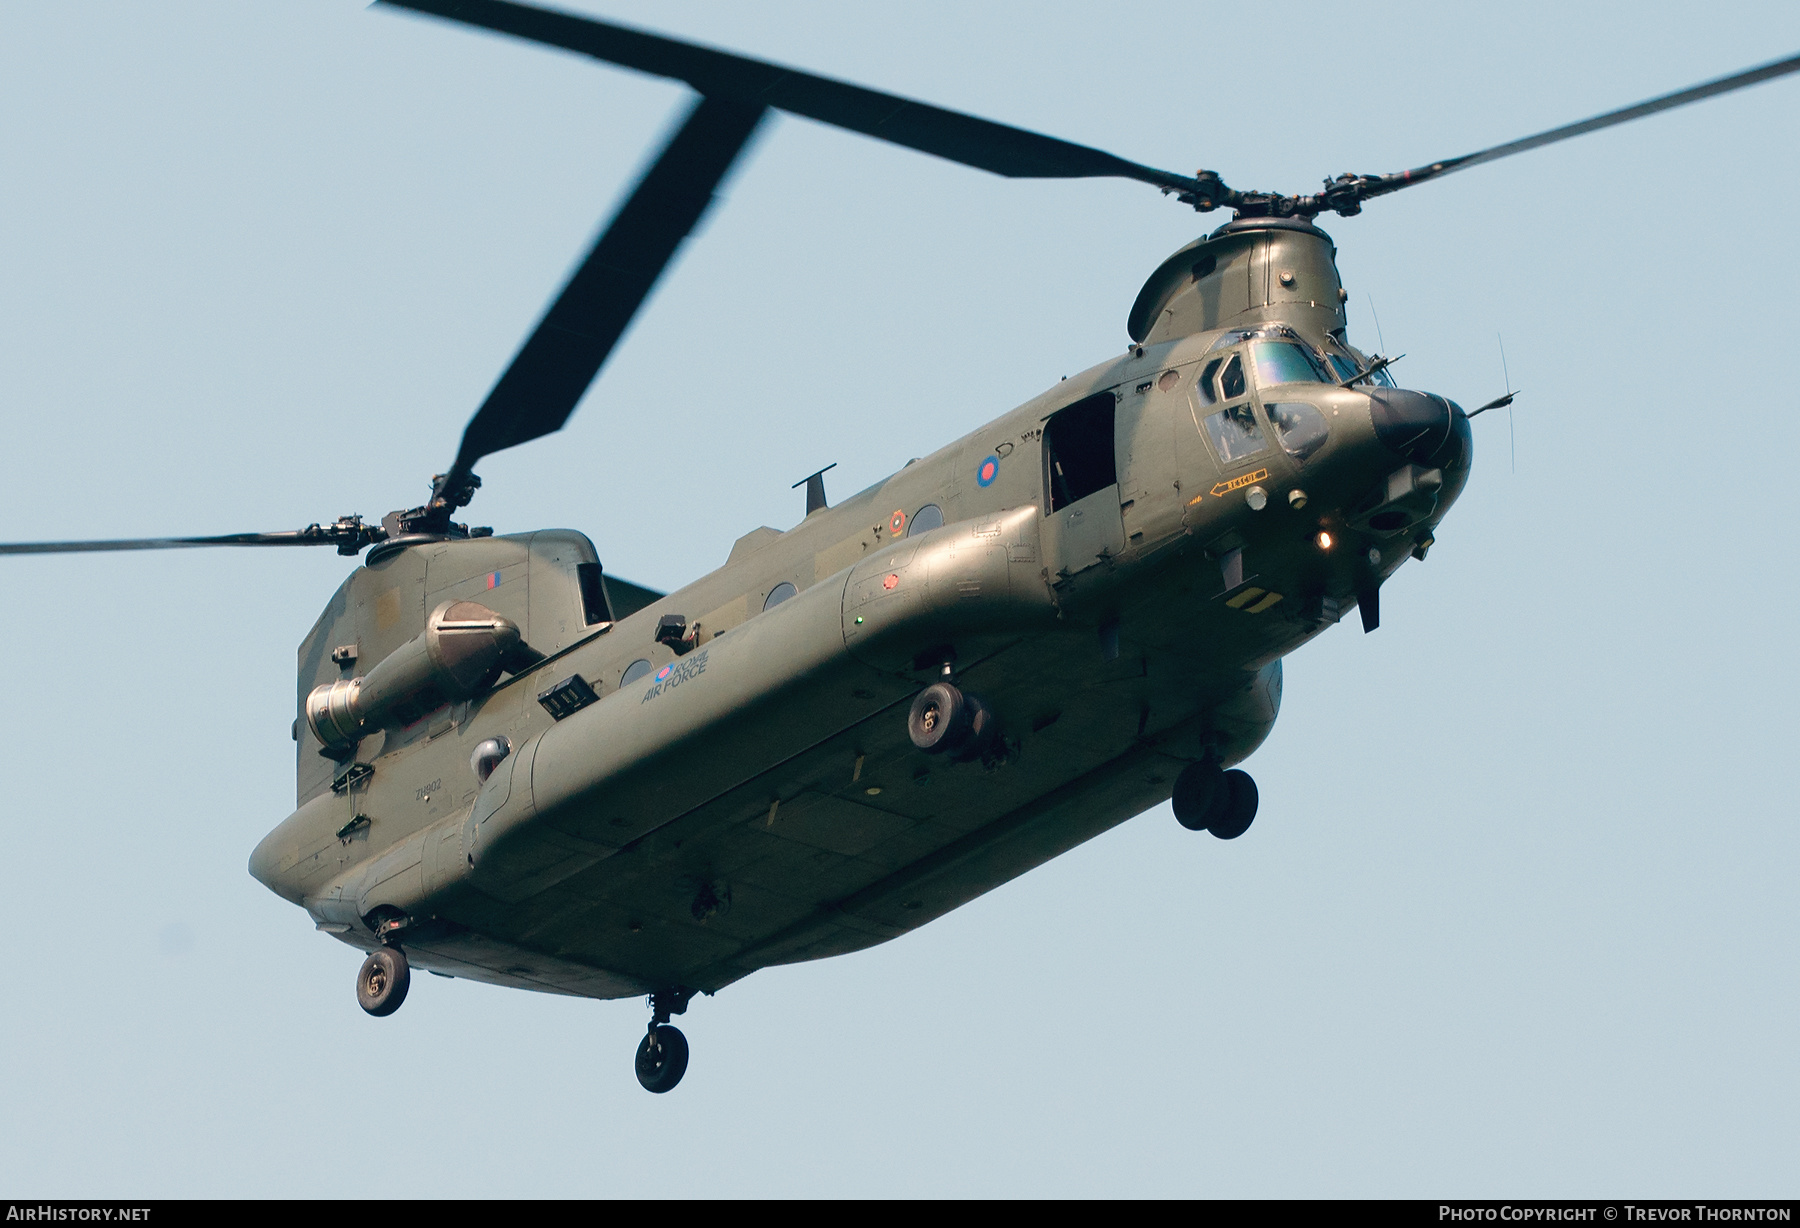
(1115, 567)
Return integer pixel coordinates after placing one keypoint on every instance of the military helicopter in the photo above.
(664, 792)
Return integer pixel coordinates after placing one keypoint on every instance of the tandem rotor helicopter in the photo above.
(515, 768)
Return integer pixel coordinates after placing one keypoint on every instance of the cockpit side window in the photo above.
(1205, 386)
(1231, 383)
(1235, 432)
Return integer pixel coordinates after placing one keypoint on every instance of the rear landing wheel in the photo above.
(382, 983)
(662, 1058)
(940, 719)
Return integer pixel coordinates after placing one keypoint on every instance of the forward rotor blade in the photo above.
(301, 538)
(554, 367)
(1382, 185)
(1013, 152)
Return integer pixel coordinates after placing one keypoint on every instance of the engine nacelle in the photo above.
(457, 656)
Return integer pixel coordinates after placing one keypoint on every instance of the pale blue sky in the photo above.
(1517, 913)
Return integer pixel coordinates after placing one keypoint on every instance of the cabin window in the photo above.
(637, 669)
(1234, 432)
(1078, 450)
(927, 518)
(1299, 428)
(1283, 362)
(780, 593)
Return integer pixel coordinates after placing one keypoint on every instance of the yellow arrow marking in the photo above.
(1221, 489)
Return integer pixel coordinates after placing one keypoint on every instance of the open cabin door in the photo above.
(1081, 486)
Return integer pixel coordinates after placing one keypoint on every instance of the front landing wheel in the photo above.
(1240, 806)
(662, 1058)
(382, 983)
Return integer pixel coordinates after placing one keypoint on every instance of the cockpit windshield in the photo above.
(1280, 355)
(1288, 362)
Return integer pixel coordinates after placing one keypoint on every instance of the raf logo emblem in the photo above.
(674, 674)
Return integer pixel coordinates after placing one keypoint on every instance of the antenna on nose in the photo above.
(1379, 340)
(1512, 437)
(1504, 402)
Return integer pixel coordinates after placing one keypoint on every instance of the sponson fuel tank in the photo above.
(458, 655)
(646, 753)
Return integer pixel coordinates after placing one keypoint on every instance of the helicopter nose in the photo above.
(1420, 427)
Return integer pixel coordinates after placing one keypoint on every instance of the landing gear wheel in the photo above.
(382, 984)
(1200, 791)
(940, 720)
(1240, 806)
(662, 1058)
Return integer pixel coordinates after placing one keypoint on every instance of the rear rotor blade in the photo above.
(981, 143)
(348, 533)
(302, 538)
(554, 367)
(1383, 184)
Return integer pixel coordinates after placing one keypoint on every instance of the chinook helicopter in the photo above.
(515, 768)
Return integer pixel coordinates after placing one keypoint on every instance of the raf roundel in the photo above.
(990, 469)
(662, 675)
